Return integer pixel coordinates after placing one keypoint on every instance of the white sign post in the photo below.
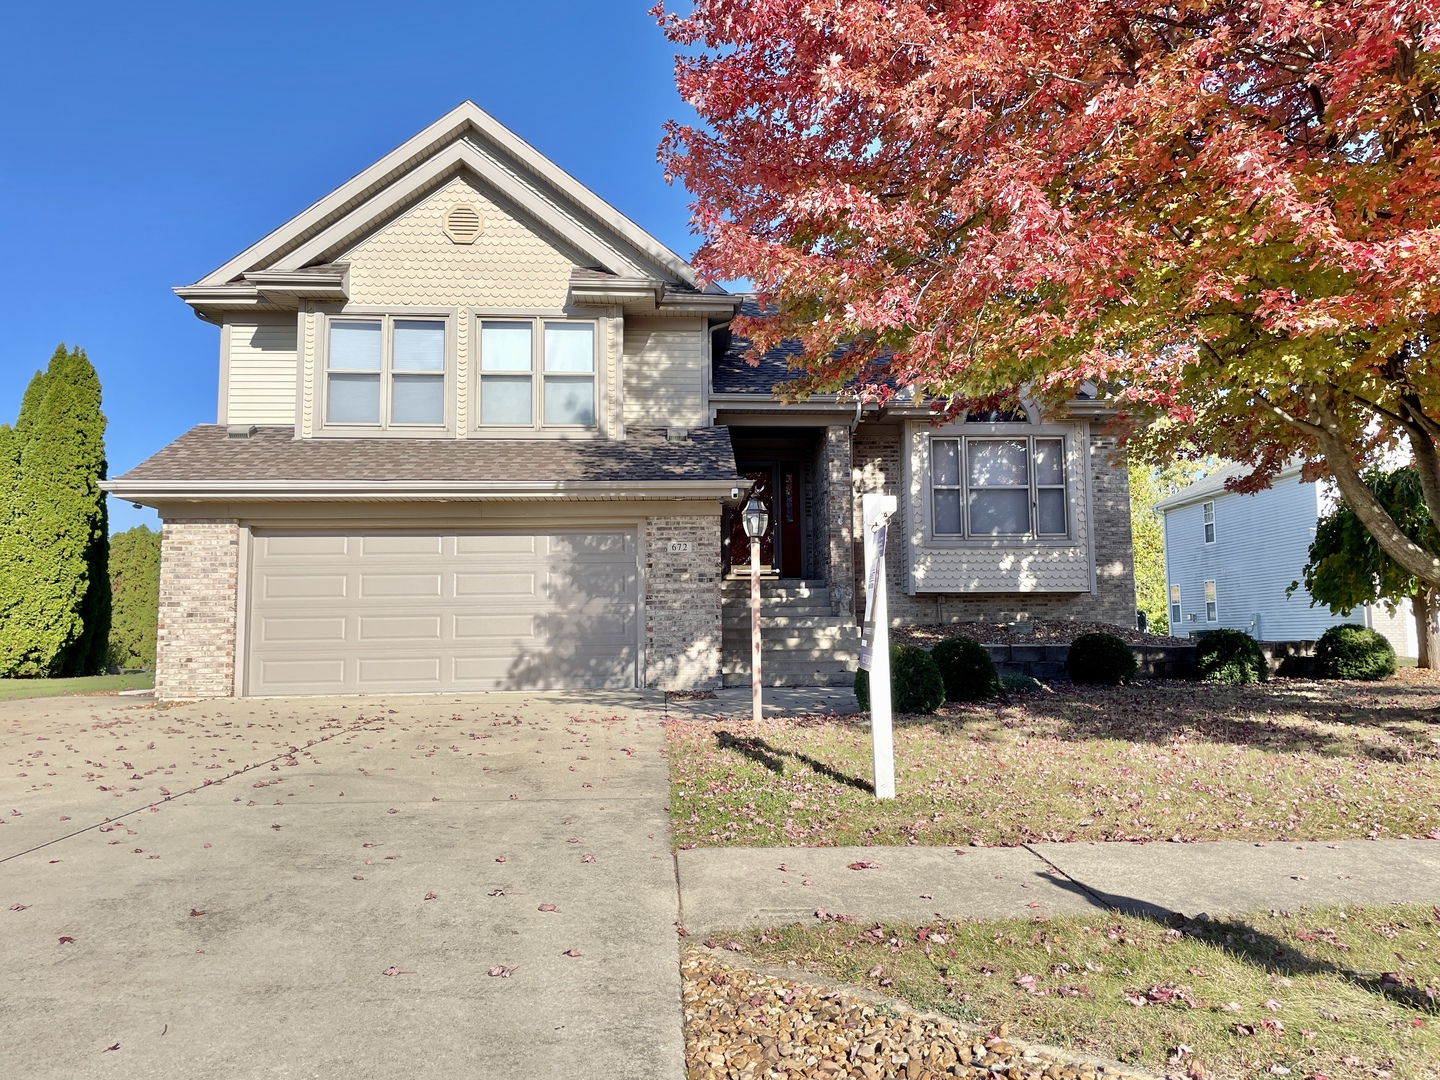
(876, 511)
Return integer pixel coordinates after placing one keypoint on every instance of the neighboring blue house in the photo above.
(1229, 559)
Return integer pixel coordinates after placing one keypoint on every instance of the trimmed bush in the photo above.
(967, 669)
(916, 685)
(1354, 652)
(1020, 684)
(1231, 656)
(1100, 660)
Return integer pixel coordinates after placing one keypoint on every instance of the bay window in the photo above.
(537, 373)
(386, 371)
(999, 487)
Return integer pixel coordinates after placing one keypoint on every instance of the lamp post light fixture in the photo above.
(756, 519)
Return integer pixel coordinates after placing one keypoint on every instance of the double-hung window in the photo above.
(1207, 510)
(1212, 608)
(1174, 605)
(537, 373)
(386, 372)
(984, 487)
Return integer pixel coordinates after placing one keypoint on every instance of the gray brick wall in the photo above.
(837, 513)
(682, 604)
(876, 468)
(195, 641)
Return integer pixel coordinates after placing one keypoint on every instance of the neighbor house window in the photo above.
(385, 372)
(1208, 509)
(1212, 608)
(1174, 604)
(534, 372)
(999, 487)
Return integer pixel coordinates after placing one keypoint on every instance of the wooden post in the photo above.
(755, 704)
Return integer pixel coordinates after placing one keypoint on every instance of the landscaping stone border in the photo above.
(1046, 662)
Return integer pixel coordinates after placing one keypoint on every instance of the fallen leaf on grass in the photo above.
(500, 971)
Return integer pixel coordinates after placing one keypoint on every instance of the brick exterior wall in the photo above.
(682, 604)
(195, 641)
(877, 468)
(836, 510)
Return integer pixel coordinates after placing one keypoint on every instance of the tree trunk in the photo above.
(1427, 631)
(1357, 495)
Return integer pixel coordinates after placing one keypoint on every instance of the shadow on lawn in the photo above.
(1282, 716)
(1271, 954)
(773, 758)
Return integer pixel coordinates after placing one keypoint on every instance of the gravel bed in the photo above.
(1042, 632)
(744, 1024)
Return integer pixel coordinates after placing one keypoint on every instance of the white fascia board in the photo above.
(146, 491)
(351, 228)
(450, 128)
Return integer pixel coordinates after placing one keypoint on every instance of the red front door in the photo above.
(739, 542)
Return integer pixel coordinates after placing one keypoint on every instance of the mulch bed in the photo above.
(1042, 632)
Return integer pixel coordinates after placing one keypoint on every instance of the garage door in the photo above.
(376, 612)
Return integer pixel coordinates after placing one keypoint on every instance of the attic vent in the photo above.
(463, 223)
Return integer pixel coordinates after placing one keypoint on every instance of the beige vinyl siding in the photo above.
(262, 370)
(664, 373)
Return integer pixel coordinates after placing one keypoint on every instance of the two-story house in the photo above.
(1230, 560)
(476, 430)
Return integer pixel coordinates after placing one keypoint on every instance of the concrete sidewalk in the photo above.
(737, 888)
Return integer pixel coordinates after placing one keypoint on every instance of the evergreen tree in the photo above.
(1347, 568)
(54, 618)
(135, 597)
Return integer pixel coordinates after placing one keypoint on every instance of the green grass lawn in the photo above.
(15, 689)
(1290, 759)
(1323, 993)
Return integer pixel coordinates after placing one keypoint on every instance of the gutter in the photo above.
(143, 491)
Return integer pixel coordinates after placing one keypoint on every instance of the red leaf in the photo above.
(864, 865)
(431, 896)
(196, 913)
(113, 1046)
(67, 940)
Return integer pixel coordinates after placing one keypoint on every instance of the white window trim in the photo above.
(383, 429)
(988, 433)
(477, 428)
(1175, 610)
(1207, 527)
(1212, 607)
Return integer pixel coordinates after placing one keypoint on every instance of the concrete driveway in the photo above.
(315, 888)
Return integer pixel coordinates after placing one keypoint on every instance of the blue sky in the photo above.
(145, 144)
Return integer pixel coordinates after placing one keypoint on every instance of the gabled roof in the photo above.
(465, 140)
(1209, 487)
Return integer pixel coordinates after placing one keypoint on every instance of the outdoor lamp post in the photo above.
(756, 520)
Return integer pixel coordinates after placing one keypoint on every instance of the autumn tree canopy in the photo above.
(1224, 213)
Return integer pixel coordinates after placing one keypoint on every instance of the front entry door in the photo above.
(764, 490)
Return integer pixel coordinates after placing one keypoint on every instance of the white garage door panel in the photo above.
(421, 612)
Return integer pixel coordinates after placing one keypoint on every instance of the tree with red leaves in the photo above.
(1224, 214)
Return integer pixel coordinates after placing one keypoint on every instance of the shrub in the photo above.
(916, 685)
(967, 669)
(1020, 684)
(1231, 656)
(1354, 652)
(1101, 660)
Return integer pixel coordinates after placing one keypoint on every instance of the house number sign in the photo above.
(681, 547)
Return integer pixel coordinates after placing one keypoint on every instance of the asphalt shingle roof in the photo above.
(732, 374)
(207, 453)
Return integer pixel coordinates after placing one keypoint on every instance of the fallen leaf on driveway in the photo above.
(67, 940)
(864, 864)
(392, 971)
(548, 907)
(115, 1046)
(587, 858)
(499, 858)
(496, 892)
(196, 913)
(500, 971)
(572, 952)
(431, 896)
(18, 907)
(392, 810)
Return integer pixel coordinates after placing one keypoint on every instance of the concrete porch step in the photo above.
(785, 622)
(771, 679)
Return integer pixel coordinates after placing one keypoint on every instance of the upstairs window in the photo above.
(993, 487)
(535, 373)
(386, 372)
(1174, 605)
(1212, 607)
(1208, 509)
